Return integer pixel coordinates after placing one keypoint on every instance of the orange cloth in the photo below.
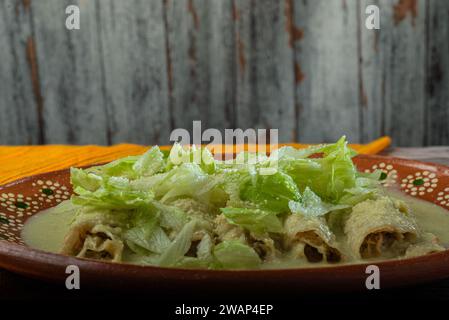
(21, 161)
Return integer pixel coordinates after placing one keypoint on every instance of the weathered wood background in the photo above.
(139, 68)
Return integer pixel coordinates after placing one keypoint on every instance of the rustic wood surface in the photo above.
(138, 69)
(429, 154)
(16, 287)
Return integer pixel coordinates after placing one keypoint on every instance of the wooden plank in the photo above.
(70, 74)
(371, 76)
(428, 154)
(20, 99)
(393, 68)
(327, 62)
(200, 47)
(187, 37)
(437, 89)
(234, 63)
(222, 64)
(135, 88)
(265, 72)
(245, 106)
(273, 58)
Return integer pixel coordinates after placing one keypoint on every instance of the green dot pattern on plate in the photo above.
(388, 174)
(418, 182)
(4, 220)
(47, 191)
(21, 205)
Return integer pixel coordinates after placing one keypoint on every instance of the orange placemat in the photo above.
(21, 161)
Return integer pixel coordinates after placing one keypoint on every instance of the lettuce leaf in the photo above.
(122, 167)
(188, 179)
(154, 240)
(328, 176)
(236, 255)
(149, 227)
(200, 156)
(112, 193)
(88, 181)
(312, 206)
(255, 220)
(149, 163)
(171, 217)
(131, 167)
(271, 192)
(205, 257)
(179, 246)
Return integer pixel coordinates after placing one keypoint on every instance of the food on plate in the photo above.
(292, 208)
(383, 226)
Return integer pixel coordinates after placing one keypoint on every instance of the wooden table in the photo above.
(17, 287)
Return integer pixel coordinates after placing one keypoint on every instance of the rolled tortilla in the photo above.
(226, 231)
(311, 238)
(263, 244)
(382, 227)
(195, 209)
(95, 236)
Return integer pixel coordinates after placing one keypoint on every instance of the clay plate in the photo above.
(22, 199)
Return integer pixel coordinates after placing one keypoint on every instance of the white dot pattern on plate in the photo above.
(443, 197)
(16, 208)
(420, 183)
(389, 170)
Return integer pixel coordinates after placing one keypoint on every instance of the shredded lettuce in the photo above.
(146, 233)
(253, 191)
(312, 206)
(85, 180)
(118, 168)
(188, 179)
(179, 246)
(271, 192)
(149, 163)
(112, 193)
(236, 255)
(171, 217)
(200, 156)
(255, 220)
(327, 176)
(204, 258)
(152, 239)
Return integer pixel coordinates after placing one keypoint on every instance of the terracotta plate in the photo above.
(21, 199)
